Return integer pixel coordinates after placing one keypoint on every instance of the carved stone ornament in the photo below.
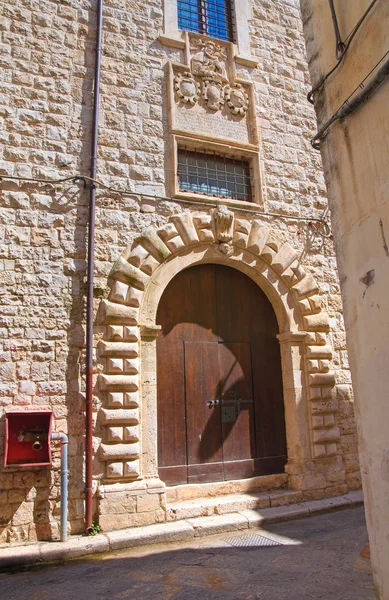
(224, 224)
(208, 61)
(186, 87)
(236, 98)
(226, 249)
(213, 94)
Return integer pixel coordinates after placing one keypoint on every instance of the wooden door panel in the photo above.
(206, 473)
(200, 307)
(270, 465)
(173, 475)
(237, 398)
(187, 310)
(171, 406)
(269, 404)
(239, 469)
(203, 429)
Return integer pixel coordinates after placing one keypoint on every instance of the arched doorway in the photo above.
(220, 399)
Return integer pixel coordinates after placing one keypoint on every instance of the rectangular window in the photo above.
(213, 175)
(210, 17)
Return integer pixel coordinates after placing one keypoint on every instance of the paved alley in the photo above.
(299, 560)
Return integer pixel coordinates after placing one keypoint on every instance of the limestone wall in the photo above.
(47, 57)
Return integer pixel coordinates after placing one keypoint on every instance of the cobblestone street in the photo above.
(315, 558)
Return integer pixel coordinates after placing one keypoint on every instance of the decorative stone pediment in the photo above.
(137, 281)
(206, 98)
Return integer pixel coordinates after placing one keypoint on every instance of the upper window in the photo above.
(214, 175)
(210, 17)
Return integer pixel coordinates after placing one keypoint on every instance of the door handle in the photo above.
(216, 402)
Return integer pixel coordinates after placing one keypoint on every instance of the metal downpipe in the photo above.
(89, 306)
(64, 482)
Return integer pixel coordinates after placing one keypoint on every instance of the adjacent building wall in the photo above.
(47, 57)
(355, 154)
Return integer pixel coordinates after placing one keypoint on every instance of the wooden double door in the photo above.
(220, 402)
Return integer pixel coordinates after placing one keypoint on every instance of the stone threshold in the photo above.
(176, 531)
(231, 503)
(191, 491)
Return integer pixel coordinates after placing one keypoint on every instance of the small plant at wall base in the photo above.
(95, 528)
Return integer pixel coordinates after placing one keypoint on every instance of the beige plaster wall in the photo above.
(355, 155)
(47, 50)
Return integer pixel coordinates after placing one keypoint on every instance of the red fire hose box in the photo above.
(27, 438)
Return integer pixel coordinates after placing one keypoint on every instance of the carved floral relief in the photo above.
(207, 79)
(237, 99)
(186, 87)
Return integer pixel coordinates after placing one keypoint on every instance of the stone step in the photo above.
(164, 533)
(231, 503)
(222, 488)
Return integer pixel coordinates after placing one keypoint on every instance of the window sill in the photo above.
(246, 61)
(213, 201)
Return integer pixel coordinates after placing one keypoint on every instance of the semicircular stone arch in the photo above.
(137, 281)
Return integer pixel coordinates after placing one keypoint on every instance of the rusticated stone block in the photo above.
(271, 248)
(293, 274)
(129, 274)
(322, 379)
(118, 349)
(119, 291)
(284, 258)
(116, 451)
(319, 451)
(318, 322)
(322, 436)
(117, 313)
(331, 449)
(186, 228)
(115, 469)
(306, 287)
(115, 365)
(120, 415)
(152, 242)
(131, 434)
(324, 406)
(137, 256)
(115, 332)
(132, 469)
(131, 365)
(257, 238)
(127, 383)
(167, 232)
(114, 434)
(149, 265)
(319, 352)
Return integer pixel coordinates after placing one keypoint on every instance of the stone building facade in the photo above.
(163, 90)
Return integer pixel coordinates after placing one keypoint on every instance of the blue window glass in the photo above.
(214, 175)
(210, 17)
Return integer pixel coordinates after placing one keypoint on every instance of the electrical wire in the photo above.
(85, 180)
(339, 44)
(347, 43)
(347, 108)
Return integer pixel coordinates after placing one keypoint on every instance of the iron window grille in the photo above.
(209, 17)
(210, 174)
